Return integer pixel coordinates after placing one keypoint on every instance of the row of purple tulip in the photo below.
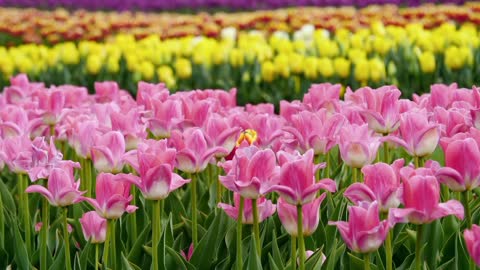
(261, 153)
(202, 4)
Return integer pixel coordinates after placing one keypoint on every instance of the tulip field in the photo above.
(251, 135)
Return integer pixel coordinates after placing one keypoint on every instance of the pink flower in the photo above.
(307, 133)
(324, 95)
(382, 184)
(265, 209)
(416, 134)
(221, 133)
(113, 196)
(18, 153)
(62, 188)
(296, 184)
(472, 239)
(421, 198)
(452, 121)
(129, 124)
(94, 227)
(310, 216)
(364, 232)
(108, 152)
(381, 110)
(194, 152)
(461, 171)
(187, 256)
(51, 104)
(251, 171)
(358, 146)
(167, 115)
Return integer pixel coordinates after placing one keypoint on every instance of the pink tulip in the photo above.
(265, 209)
(81, 135)
(324, 95)
(452, 121)
(129, 124)
(421, 198)
(106, 92)
(288, 109)
(189, 254)
(13, 121)
(62, 188)
(269, 130)
(221, 133)
(267, 108)
(296, 184)
(381, 184)
(147, 93)
(416, 134)
(364, 232)
(167, 115)
(310, 216)
(358, 145)
(108, 152)
(113, 196)
(472, 239)
(94, 227)
(18, 154)
(461, 171)
(251, 171)
(380, 107)
(51, 104)
(193, 151)
(475, 114)
(307, 133)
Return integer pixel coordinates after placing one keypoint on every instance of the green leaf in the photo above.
(254, 262)
(7, 198)
(128, 265)
(273, 265)
(357, 263)
(84, 254)
(314, 262)
(21, 256)
(137, 247)
(277, 256)
(59, 262)
(179, 260)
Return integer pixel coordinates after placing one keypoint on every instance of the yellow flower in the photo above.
(148, 70)
(427, 62)
(342, 67)
(113, 65)
(325, 67)
(282, 66)
(6, 66)
(310, 68)
(183, 68)
(237, 58)
(268, 71)
(328, 48)
(94, 64)
(377, 69)
(296, 62)
(362, 70)
(453, 58)
(165, 74)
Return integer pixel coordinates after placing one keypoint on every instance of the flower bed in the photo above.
(190, 180)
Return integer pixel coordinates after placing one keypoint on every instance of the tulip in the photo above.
(310, 213)
(381, 184)
(189, 254)
(472, 239)
(62, 188)
(166, 116)
(251, 172)
(358, 146)
(296, 184)
(108, 152)
(220, 133)
(324, 95)
(94, 227)
(364, 232)
(416, 134)
(265, 208)
(113, 196)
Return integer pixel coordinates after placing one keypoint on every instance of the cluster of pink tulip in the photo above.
(161, 142)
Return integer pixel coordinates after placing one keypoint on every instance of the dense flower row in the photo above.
(204, 4)
(397, 166)
(262, 68)
(36, 26)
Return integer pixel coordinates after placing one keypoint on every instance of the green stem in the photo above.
(388, 250)
(418, 248)
(354, 174)
(133, 217)
(256, 227)
(386, 157)
(301, 243)
(193, 184)
(327, 169)
(83, 177)
(106, 245)
(44, 234)
(97, 247)
(239, 234)
(156, 224)
(23, 196)
(366, 260)
(417, 162)
(294, 252)
(88, 178)
(219, 192)
(66, 238)
(113, 248)
(318, 159)
(466, 205)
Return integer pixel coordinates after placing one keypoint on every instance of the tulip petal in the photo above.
(43, 191)
(451, 178)
(359, 192)
(451, 207)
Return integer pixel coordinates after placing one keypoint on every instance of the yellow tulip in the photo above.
(94, 64)
(282, 66)
(362, 70)
(427, 62)
(147, 70)
(165, 74)
(325, 67)
(377, 69)
(453, 58)
(183, 68)
(268, 71)
(237, 58)
(113, 65)
(310, 68)
(296, 62)
(342, 67)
